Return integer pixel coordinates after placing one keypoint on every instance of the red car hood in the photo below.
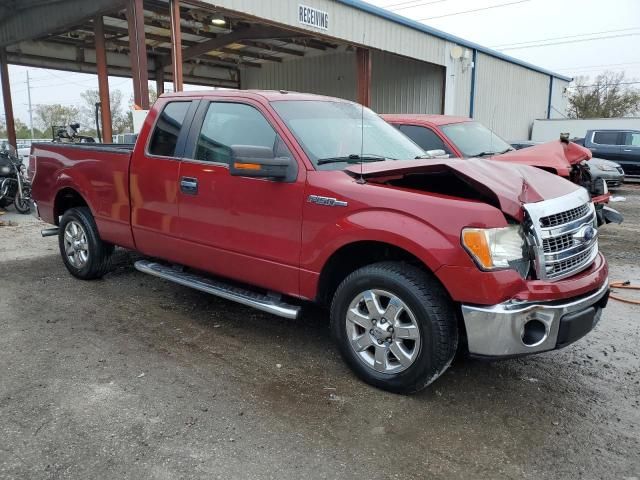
(510, 185)
(556, 155)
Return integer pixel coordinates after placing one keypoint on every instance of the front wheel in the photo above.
(395, 326)
(22, 204)
(84, 254)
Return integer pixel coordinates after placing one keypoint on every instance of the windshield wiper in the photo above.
(353, 158)
(487, 154)
(484, 154)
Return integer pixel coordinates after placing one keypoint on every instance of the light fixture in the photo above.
(218, 20)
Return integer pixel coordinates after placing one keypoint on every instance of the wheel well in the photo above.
(549, 169)
(356, 255)
(65, 199)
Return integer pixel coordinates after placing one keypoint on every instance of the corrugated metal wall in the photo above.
(403, 85)
(398, 85)
(346, 23)
(332, 74)
(559, 99)
(508, 97)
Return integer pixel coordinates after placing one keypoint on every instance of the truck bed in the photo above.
(101, 174)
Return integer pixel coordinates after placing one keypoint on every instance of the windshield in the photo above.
(331, 133)
(474, 139)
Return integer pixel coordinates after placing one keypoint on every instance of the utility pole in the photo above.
(30, 109)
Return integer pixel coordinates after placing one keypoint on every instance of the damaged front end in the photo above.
(597, 188)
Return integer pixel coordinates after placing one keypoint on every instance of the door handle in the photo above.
(189, 185)
(627, 150)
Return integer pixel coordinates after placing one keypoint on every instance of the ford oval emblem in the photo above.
(586, 233)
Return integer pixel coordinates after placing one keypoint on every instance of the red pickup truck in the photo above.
(462, 137)
(271, 199)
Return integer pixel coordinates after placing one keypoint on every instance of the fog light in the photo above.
(534, 332)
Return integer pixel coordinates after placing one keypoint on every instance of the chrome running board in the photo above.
(266, 303)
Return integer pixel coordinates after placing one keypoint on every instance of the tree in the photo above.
(119, 119)
(609, 95)
(55, 114)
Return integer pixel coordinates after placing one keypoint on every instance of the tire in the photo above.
(22, 205)
(84, 254)
(4, 202)
(425, 334)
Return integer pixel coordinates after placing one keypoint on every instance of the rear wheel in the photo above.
(395, 326)
(84, 254)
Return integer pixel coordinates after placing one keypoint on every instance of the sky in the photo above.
(570, 37)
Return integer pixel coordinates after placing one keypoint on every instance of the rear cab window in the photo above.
(606, 138)
(166, 132)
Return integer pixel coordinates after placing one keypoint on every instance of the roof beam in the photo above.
(217, 43)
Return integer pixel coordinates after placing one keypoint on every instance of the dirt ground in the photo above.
(134, 377)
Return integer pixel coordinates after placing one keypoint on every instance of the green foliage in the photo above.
(47, 116)
(606, 97)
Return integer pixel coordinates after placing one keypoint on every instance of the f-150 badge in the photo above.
(326, 201)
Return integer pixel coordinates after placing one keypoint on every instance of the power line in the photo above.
(606, 84)
(571, 41)
(474, 10)
(599, 66)
(563, 38)
(403, 5)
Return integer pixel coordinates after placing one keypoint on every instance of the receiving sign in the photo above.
(313, 17)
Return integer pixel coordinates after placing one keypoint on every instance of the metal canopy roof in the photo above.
(212, 54)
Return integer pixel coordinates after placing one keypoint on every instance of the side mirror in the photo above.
(253, 161)
(434, 154)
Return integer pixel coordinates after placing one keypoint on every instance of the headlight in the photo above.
(497, 248)
(5, 170)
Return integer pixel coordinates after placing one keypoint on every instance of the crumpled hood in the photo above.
(511, 185)
(556, 155)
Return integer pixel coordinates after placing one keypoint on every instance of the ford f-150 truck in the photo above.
(271, 199)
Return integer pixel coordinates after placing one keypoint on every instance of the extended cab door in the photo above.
(243, 228)
(630, 154)
(153, 175)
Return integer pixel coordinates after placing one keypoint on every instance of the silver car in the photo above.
(607, 170)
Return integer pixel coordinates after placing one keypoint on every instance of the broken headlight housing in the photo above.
(498, 248)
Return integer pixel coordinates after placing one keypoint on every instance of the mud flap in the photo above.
(606, 215)
(611, 215)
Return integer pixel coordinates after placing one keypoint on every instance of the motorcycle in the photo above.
(15, 187)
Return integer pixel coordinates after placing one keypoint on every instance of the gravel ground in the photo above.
(134, 377)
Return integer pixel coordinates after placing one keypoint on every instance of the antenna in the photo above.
(363, 66)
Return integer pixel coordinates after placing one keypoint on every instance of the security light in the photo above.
(218, 20)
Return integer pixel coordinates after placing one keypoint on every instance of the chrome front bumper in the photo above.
(519, 328)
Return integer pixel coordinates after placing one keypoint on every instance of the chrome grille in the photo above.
(563, 266)
(562, 235)
(564, 217)
(557, 244)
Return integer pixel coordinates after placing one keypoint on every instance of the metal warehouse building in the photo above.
(343, 48)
